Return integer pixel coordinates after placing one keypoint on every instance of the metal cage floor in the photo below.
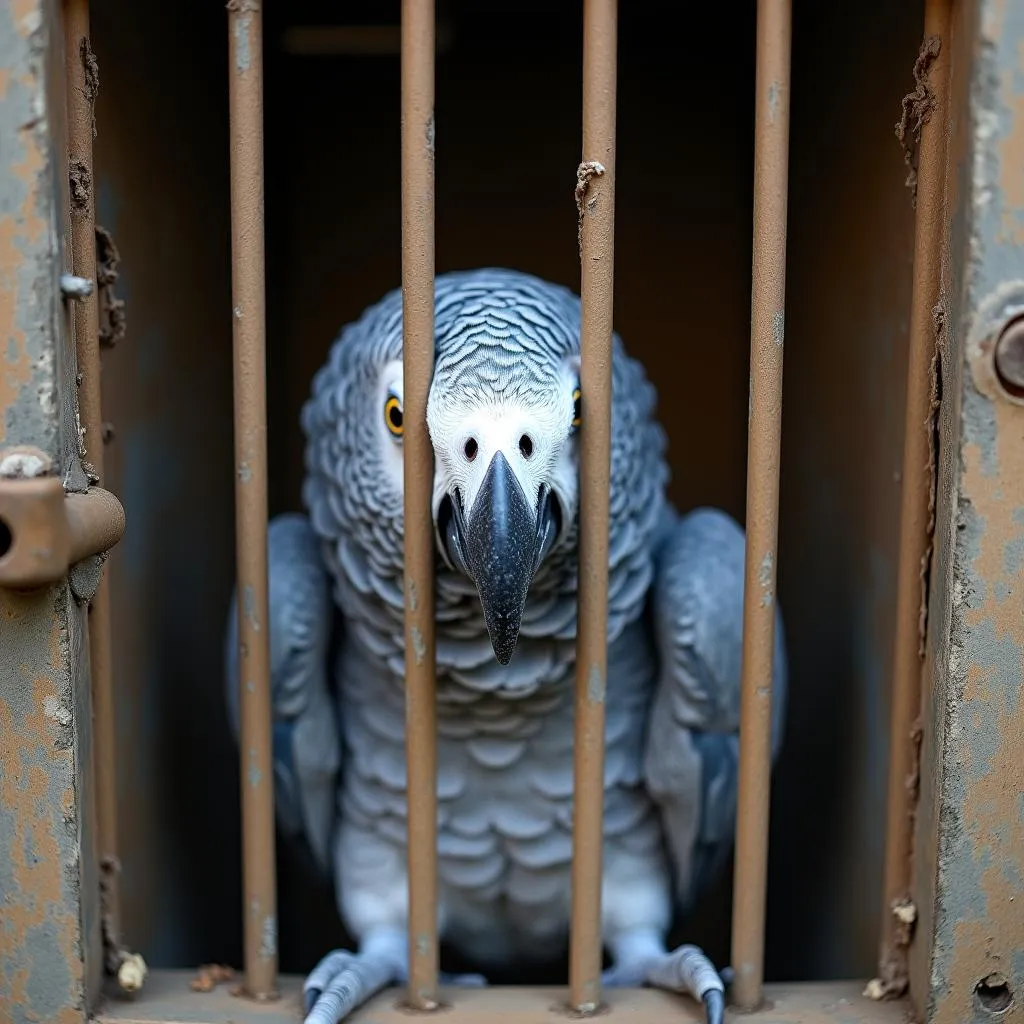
(167, 999)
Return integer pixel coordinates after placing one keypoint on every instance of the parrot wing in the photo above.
(305, 723)
(691, 758)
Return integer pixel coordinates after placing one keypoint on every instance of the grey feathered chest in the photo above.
(505, 760)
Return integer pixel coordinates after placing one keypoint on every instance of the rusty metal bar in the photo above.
(418, 26)
(595, 201)
(81, 89)
(767, 329)
(915, 512)
(245, 75)
(81, 92)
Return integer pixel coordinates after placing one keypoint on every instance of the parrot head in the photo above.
(504, 418)
(503, 413)
(505, 480)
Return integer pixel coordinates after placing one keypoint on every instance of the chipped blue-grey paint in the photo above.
(974, 925)
(243, 55)
(49, 928)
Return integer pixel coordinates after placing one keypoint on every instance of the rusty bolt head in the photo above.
(1009, 357)
(75, 287)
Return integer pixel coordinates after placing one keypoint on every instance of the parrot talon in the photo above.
(688, 969)
(714, 1005)
(629, 975)
(342, 982)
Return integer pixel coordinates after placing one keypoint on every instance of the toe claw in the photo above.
(714, 1005)
(309, 998)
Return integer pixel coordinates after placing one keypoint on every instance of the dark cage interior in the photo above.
(508, 143)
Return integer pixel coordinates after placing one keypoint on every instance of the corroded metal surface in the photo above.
(41, 939)
(47, 872)
(595, 205)
(764, 450)
(969, 960)
(245, 90)
(169, 1000)
(927, 104)
(82, 82)
(417, 200)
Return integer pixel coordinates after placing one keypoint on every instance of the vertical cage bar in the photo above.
(418, 367)
(245, 74)
(595, 198)
(81, 121)
(768, 302)
(915, 498)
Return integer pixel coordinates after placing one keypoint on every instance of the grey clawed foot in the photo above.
(688, 969)
(631, 974)
(341, 983)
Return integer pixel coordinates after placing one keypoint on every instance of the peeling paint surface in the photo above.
(28, 274)
(40, 935)
(49, 921)
(971, 964)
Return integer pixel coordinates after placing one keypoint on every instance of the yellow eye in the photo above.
(577, 412)
(393, 416)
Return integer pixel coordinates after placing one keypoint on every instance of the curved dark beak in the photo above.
(500, 548)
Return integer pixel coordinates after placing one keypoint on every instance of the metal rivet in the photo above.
(75, 287)
(1009, 357)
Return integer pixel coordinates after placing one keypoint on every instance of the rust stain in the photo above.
(16, 364)
(41, 846)
(25, 15)
(41, 858)
(1012, 160)
(916, 110)
(988, 732)
(30, 171)
(24, 227)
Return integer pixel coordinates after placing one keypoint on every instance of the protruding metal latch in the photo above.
(44, 531)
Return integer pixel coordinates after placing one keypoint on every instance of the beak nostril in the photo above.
(470, 448)
(526, 446)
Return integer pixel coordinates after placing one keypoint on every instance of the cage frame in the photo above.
(947, 950)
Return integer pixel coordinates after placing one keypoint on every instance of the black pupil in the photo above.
(576, 408)
(396, 416)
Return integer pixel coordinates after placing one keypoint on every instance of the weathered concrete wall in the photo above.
(49, 924)
(968, 957)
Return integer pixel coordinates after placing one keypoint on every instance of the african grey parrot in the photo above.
(504, 412)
